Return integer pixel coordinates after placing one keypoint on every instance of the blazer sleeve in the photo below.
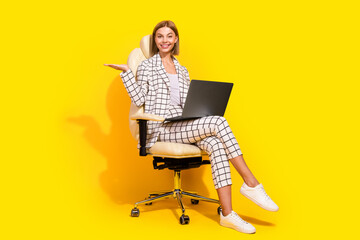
(187, 77)
(137, 90)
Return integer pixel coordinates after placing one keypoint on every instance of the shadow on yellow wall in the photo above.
(128, 177)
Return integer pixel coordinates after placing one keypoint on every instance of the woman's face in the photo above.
(165, 39)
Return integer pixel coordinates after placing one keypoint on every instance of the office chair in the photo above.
(174, 156)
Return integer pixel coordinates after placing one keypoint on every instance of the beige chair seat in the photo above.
(175, 150)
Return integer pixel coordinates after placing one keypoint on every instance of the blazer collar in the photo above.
(156, 60)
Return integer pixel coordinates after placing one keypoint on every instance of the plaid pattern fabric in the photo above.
(152, 88)
(211, 134)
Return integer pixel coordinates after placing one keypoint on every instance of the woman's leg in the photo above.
(213, 135)
(220, 170)
(214, 147)
(218, 141)
(222, 180)
(192, 131)
(195, 130)
(220, 166)
(241, 167)
(224, 194)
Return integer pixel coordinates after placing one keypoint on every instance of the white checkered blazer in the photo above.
(152, 88)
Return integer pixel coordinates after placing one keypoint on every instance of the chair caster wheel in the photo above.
(194, 201)
(135, 212)
(184, 219)
(219, 210)
(150, 203)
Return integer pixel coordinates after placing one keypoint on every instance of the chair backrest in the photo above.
(135, 58)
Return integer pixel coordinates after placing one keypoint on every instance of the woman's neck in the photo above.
(166, 57)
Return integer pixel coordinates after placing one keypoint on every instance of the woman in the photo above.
(162, 85)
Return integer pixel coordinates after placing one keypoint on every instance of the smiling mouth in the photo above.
(165, 45)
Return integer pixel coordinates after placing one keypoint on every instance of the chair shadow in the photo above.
(128, 178)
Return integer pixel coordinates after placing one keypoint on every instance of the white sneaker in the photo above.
(234, 221)
(258, 195)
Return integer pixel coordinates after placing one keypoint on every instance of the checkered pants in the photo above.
(211, 134)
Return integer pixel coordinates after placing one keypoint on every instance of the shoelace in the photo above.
(235, 216)
(264, 193)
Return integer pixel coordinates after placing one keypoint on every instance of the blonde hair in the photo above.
(171, 25)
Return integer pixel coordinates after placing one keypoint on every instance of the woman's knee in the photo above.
(218, 119)
(210, 144)
(218, 123)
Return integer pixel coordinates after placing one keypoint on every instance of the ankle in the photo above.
(251, 183)
(226, 212)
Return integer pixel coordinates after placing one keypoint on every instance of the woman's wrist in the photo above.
(125, 73)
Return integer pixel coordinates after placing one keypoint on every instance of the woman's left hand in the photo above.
(122, 67)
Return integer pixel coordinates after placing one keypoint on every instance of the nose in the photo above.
(165, 39)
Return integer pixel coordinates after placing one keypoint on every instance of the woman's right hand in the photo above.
(122, 67)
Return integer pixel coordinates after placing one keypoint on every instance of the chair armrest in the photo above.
(147, 116)
(142, 119)
(142, 136)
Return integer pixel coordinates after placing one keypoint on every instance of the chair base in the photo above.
(178, 194)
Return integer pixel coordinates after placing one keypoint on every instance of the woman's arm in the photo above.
(137, 90)
(187, 77)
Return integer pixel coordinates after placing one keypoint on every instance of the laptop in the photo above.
(205, 98)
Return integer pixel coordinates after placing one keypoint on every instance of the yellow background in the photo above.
(70, 168)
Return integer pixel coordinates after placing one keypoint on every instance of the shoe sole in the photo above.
(230, 226)
(257, 203)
